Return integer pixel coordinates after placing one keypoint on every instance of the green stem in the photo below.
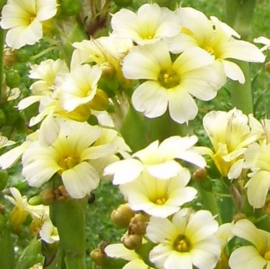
(210, 202)
(2, 42)
(69, 218)
(7, 255)
(239, 16)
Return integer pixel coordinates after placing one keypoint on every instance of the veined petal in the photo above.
(80, 180)
(150, 99)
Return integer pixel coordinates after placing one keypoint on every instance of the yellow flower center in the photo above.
(168, 78)
(160, 201)
(267, 255)
(69, 162)
(209, 50)
(182, 244)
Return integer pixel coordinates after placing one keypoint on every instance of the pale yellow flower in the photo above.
(150, 24)
(216, 38)
(65, 147)
(158, 197)
(79, 87)
(46, 73)
(171, 84)
(230, 135)
(158, 159)
(24, 19)
(187, 240)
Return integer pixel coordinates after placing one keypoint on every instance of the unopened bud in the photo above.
(132, 241)
(100, 101)
(2, 209)
(61, 193)
(138, 224)
(98, 256)
(267, 66)
(9, 57)
(122, 215)
(47, 196)
(108, 70)
(200, 174)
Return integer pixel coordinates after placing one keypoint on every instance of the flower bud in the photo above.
(138, 224)
(47, 196)
(132, 241)
(9, 57)
(2, 209)
(122, 215)
(98, 256)
(108, 70)
(267, 66)
(100, 101)
(199, 174)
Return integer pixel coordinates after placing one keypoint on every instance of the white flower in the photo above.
(65, 147)
(217, 38)
(158, 159)
(187, 239)
(171, 84)
(252, 256)
(79, 87)
(150, 24)
(230, 135)
(48, 232)
(157, 197)
(24, 18)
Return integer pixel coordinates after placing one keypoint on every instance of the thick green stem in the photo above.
(7, 255)
(69, 218)
(2, 42)
(239, 16)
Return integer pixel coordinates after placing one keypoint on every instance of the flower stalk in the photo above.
(69, 218)
(239, 16)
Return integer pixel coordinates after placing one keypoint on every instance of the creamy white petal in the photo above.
(246, 257)
(182, 107)
(124, 171)
(150, 99)
(233, 71)
(176, 259)
(257, 188)
(164, 170)
(80, 180)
